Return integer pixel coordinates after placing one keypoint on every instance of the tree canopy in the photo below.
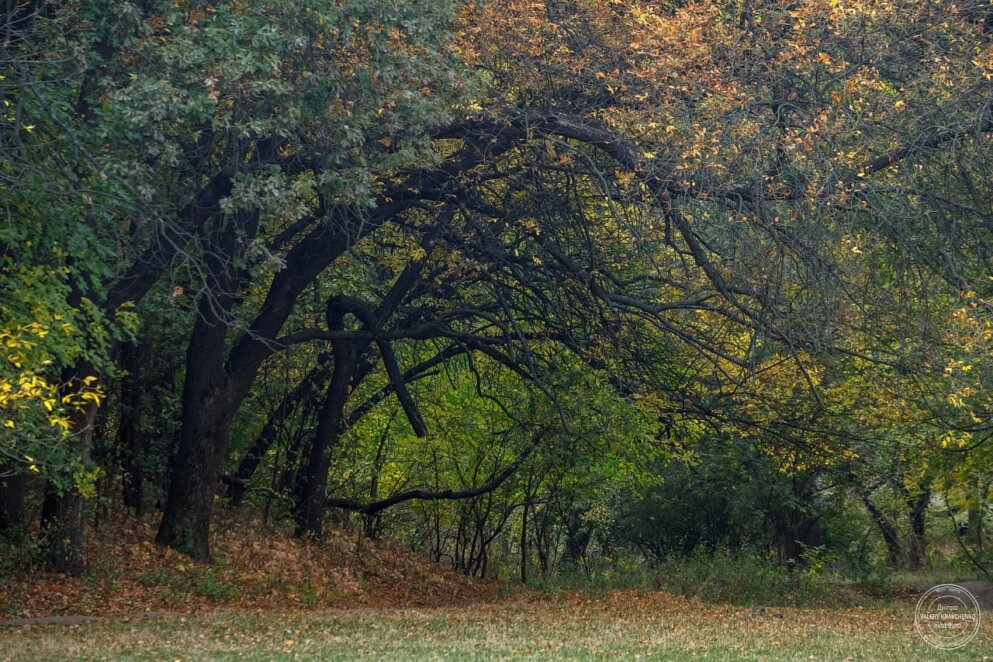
(473, 268)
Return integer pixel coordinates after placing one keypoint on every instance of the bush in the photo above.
(744, 578)
(631, 572)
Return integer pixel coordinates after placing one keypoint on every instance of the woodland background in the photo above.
(532, 289)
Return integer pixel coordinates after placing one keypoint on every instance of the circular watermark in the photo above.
(948, 616)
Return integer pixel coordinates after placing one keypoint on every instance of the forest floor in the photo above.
(256, 565)
(268, 596)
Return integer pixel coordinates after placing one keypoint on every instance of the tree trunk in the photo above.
(524, 540)
(918, 513)
(211, 395)
(314, 475)
(289, 475)
(11, 500)
(207, 412)
(577, 541)
(889, 534)
(975, 534)
(62, 523)
(372, 520)
(129, 435)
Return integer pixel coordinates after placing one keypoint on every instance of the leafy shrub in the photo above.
(743, 578)
(212, 587)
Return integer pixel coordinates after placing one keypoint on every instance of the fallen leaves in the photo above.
(256, 566)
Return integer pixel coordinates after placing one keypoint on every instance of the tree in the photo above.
(731, 209)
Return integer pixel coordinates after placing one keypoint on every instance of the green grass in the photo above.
(617, 625)
(741, 578)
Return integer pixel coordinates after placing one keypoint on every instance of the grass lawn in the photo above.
(617, 625)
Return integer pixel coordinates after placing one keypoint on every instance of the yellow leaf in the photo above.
(60, 421)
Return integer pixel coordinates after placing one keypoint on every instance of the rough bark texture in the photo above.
(207, 414)
(211, 395)
(975, 533)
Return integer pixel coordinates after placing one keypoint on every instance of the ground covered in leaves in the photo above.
(269, 596)
(256, 566)
(613, 625)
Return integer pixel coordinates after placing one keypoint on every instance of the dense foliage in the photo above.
(531, 286)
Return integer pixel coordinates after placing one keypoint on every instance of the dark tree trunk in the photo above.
(289, 476)
(61, 533)
(207, 413)
(218, 381)
(211, 396)
(918, 513)
(797, 526)
(130, 439)
(11, 500)
(196, 471)
(541, 542)
(372, 520)
(524, 540)
(314, 474)
(577, 541)
(890, 536)
(975, 533)
(62, 523)
(796, 532)
(61, 530)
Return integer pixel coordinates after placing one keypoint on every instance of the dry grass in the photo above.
(617, 625)
(268, 596)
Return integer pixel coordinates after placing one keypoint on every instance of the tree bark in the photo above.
(208, 410)
(524, 540)
(211, 394)
(129, 435)
(918, 514)
(11, 500)
(218, 381)
(975, 533)
(889, 534)
(313, 495)
(62, 522)
(61, 532)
